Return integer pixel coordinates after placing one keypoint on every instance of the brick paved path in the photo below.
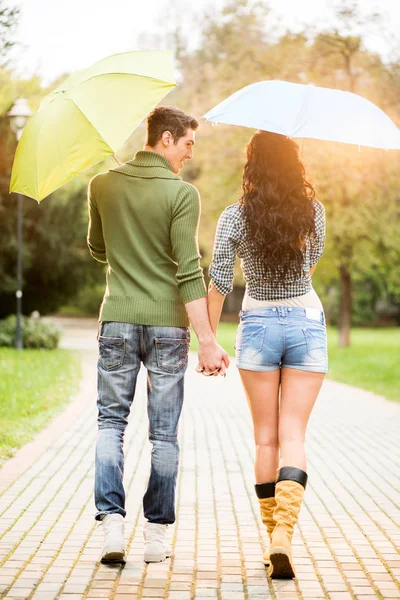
(346, 545)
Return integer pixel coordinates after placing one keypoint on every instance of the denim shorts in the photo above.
(273, 337)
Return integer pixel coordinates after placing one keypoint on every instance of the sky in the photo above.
(59, 36)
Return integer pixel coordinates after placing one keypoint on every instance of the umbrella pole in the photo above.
(119, 163)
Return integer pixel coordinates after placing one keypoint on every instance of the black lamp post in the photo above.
(19, 115)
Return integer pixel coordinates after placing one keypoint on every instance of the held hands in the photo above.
(213, 360)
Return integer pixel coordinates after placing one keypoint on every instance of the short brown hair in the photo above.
(168, 118)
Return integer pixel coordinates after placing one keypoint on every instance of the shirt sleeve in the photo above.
(317, 245)
(95, 239)
(185, 246)
(222, 266)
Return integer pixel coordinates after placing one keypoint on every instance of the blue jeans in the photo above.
(273, 337)
(164, 353)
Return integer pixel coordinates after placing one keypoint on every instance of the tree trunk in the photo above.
(346, 302)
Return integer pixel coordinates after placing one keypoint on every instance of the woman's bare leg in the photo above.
(299, 391)
(262, 392)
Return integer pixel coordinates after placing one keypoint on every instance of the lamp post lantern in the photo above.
(18, 116)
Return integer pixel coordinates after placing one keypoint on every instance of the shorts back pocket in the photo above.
(316, 341)
(250, 338)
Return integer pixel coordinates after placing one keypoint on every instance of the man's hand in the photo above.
(213, 360)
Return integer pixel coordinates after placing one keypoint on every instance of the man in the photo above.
(143, 222)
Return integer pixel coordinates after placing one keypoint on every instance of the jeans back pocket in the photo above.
(111, 352)
(171, 353)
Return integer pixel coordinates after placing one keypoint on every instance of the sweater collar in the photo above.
(148, 165)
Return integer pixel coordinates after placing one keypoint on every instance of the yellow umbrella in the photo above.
(88, 118)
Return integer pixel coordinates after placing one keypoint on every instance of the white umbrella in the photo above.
(307, 111)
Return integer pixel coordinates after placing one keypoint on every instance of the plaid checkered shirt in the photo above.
(230, 241)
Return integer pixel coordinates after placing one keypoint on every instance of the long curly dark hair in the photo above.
(277, 204)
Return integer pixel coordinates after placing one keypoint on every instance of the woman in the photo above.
(278, 230)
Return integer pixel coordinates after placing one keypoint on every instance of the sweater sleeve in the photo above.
(185, 246)
(95, 239)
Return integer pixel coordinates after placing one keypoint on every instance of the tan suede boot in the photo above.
(267, 507)
(266, 497)
(289, 493)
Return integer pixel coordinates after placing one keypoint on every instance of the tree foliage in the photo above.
(238, 46)
(359, 189)
(56, 262)
(8, 22)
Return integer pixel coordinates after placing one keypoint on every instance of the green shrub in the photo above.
(36, 334)
(89, 299)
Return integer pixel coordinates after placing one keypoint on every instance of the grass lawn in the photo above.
(371, 362)
(34, 386)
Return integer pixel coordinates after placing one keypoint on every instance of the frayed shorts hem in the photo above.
(316, 369)
(270, 368)
(259, 368)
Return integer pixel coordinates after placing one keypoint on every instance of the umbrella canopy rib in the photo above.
(308, 111)
(87, 118)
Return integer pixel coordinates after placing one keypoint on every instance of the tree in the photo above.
(359, 190)
(56, 260)
(8, 21)
(342, 53)
(239, 47)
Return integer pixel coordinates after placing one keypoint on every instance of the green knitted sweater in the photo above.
(143, 222)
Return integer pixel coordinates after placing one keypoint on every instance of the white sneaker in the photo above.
(114, 541)
(156, 548)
